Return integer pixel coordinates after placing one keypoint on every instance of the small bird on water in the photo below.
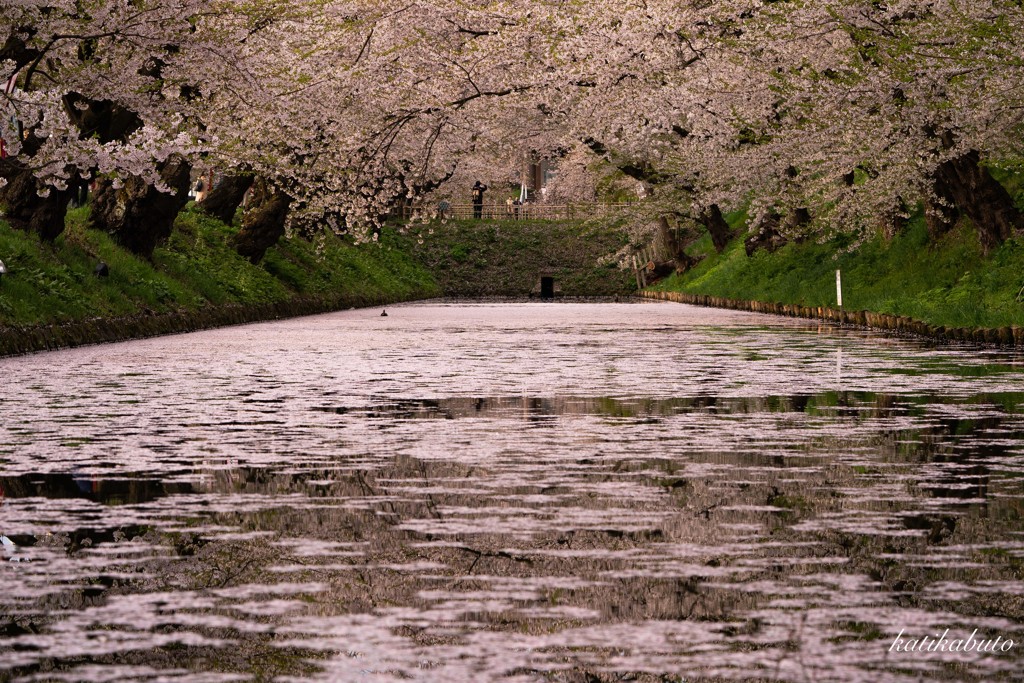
(384, 313)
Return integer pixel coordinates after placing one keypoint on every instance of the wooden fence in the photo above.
(527, 212)
(644, 261)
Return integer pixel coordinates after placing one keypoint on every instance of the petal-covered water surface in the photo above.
(514, 492)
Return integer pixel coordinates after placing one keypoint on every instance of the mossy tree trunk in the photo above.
(223, 200)
(138, 215)
(675, 245)
(25, 209)
(766, 235)
(940, 217)
(263, 226)
(102, 119)
(964, 183)
(711, 218)
(44, 215)
(719, 230)
(29, 204)
(773, 233)
(895, 221)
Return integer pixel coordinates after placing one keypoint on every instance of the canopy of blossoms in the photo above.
(846, 112)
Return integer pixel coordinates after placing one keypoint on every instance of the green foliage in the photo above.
(1010, 173)
(507, 258)
(947, 283)
(197, 267)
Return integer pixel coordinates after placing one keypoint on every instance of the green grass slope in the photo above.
(195, 270)
(507, 258)
(948, 283)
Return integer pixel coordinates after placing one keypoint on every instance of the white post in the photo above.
(839, 289)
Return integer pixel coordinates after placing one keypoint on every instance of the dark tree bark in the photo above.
(894, 222)
(45, 215)
(772, 233)
(103, 119)
(675, 246)
(719, 230)
(766, 235)
(137, 215)
(16, 49)
(969, 186)
(263, 227)
(797, 219)
(25, 209)
(940, 218)
(892, 225)
(657, 271)
(223, 200)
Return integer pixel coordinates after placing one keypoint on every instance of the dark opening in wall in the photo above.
(547, 288)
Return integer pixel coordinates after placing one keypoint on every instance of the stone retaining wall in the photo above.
(1004, 336)
(15, 340)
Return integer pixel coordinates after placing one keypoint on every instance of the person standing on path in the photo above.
(478, 199)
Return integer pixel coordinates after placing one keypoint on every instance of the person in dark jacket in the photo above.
(478, 199)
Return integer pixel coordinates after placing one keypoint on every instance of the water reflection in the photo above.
(511, 492)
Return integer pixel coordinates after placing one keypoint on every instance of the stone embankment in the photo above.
(1003, 336)
(16, 340)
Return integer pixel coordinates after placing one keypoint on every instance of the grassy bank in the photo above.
(196, 270)
(508, 258)
(949, 283)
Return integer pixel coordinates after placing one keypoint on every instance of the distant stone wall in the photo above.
(15, 340)
(1003, 336)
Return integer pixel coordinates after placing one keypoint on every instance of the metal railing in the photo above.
(529, 211)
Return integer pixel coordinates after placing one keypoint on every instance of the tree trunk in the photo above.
(894, 222)
(674, 245)
(26, 210)
(102, 119)
(223, 200)
(765, 236)
(137, 214)
(940, 218)
(263, 227)
(719, 230)
(891, 225)
(797, 219)
(23, 206)
(656, 271)
(969, 186)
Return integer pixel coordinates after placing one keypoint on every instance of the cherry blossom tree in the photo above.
(109, 90)
(883, 106)
(816, 117)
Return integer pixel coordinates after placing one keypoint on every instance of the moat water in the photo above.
(513, 492)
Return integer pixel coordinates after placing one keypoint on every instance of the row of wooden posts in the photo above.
(643, 262)
(1003, 336)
